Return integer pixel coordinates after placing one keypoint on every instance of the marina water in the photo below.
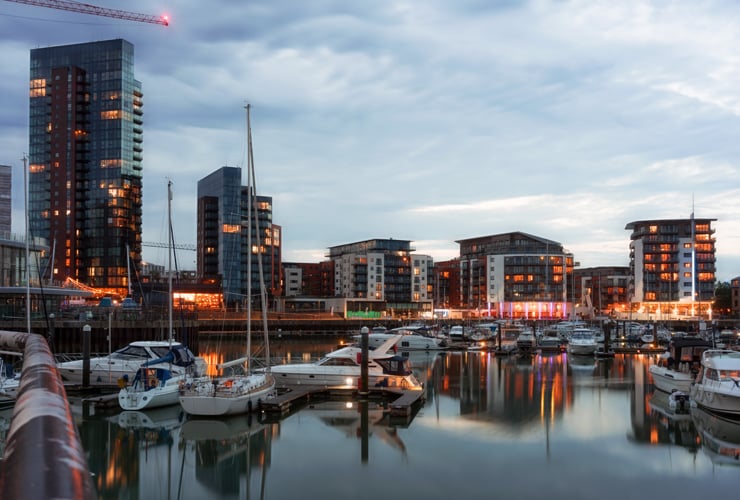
(545, 426)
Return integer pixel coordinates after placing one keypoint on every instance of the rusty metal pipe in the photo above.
(43, 455)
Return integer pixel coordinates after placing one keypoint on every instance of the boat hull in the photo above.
(232, 396)
(582, 349)
(309, 374)
(136, 400)
(668, 380)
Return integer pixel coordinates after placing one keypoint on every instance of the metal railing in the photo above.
(43, 457)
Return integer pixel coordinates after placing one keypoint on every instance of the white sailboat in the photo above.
(241, 393)
(157, 382)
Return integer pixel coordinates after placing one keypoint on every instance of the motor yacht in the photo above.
(582, 342)
(717, 386)
(107, 370)
(342, 367)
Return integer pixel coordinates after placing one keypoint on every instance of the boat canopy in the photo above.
(177, 355)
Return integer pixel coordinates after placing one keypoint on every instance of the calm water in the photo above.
(506, 427)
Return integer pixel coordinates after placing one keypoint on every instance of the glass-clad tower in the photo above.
(223, 250)
(85, 161)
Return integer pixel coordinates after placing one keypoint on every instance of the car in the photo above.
(129, 303)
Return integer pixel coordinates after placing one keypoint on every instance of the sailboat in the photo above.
(157, 382)
(242, 393)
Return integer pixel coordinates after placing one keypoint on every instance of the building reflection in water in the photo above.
(512, 390)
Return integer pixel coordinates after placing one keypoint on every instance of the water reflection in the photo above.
(720, 437)
(496, 415)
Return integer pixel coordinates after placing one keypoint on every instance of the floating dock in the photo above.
(401, 403)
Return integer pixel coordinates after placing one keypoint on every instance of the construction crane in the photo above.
(182, 246)
(85, 8)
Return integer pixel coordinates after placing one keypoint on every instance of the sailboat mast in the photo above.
(28, 250)
(169, 262)
(249, 239)
(253, 206)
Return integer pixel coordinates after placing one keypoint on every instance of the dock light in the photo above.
(349, 381)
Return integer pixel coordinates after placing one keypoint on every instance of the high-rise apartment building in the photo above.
(672, 260)
(5, 198)
(85, 161)
(222, 242)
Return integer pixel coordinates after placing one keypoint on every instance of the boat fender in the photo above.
(710, 396)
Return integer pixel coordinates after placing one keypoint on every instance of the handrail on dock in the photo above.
(43, 457)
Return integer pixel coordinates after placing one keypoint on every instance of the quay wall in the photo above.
(65, 334)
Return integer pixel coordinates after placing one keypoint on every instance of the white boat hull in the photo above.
(714, 397)
(131, 399)
(582, 349)
(229, 396)
(339, 376)
(668, 380)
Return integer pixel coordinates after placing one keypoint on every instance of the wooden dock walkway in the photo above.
(401, 403)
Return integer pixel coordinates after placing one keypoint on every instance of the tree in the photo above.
(722, 299)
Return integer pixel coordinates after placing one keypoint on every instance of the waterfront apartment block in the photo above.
(515, 275)
(446, 285)
(223, 253)
(85, 161)
(672, 264)
(383, 271)
(735, 297)
(315, 279)
(601, 291)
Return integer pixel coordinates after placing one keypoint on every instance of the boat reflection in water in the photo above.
(530, 426)
(720, 436)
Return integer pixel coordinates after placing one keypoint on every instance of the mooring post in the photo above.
(86, 356)
(363, 365)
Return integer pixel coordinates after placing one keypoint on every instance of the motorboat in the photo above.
(526, 342)
(107, 370)
(342, 368)
(582, 342)
(10, 382)
(238, 392)
(677, 368)
(717, 386)
(410, 340)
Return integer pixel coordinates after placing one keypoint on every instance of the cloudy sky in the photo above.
(429, 120)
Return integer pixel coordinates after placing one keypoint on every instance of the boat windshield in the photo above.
(131, 351)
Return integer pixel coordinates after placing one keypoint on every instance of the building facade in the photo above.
(446, 285)
(223, 252)
(383, 272)
(602, 291)
(672, 264)
(85, 161)
(735, 297)
(5, 198)
(516, 275)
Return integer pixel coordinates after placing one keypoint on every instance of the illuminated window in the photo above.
(687, 245)
(113, 114)
(653, 229)
(38, 88)
(35, 168)
(110, 163)
(687, 275)
(231, 228)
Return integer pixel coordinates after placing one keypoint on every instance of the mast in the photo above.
(249, 240)
(28, 251)
(169, 262)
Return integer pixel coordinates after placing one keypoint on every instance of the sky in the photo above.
(430, 121)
